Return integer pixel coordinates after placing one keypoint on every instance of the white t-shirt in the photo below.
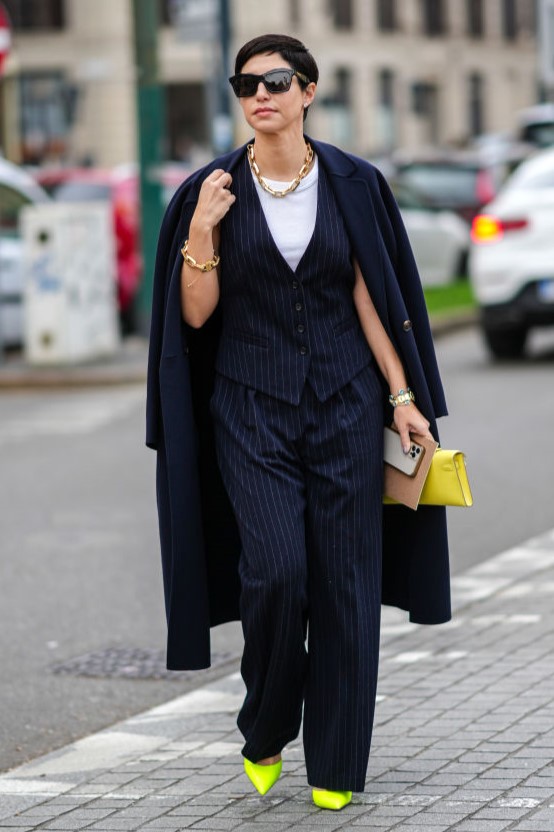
(291, 219)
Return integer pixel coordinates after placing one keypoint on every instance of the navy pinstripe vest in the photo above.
(281, 327)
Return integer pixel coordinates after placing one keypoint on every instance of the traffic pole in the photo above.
(5, 46)
(151, 138)
(222, 128)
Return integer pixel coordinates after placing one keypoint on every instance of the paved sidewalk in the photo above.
(464, 735)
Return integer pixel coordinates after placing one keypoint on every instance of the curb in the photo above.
(446, 324)
(129, 366)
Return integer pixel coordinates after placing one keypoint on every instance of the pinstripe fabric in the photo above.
(283, 327)
(305, 483)
(299, 446)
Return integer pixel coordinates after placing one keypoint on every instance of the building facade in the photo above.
(393, 73)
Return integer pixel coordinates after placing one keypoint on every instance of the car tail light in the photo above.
(488, 229)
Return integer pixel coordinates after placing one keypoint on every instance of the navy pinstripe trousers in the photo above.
(305, 483)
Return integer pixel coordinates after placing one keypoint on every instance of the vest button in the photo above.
(303, 350)
(298, 307)
(295, 284)
(300, 327)
(406, 326)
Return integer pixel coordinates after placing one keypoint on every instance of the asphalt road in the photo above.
(502, 417)
(79, 572)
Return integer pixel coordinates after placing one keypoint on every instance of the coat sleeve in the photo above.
(169, 241)
(409, 282)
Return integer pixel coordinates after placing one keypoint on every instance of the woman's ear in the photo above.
(309, 94)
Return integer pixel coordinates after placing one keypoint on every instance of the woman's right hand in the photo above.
(200, 290)
(214, 200)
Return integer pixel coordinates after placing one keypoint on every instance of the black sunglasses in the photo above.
(276, 80)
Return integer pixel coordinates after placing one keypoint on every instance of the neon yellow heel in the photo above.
(263, 777)
(331, 800)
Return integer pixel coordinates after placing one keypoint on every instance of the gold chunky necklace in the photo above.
(293, 185)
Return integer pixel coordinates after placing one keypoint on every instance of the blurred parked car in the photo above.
(439, 238)
(461, 182)
(536, 125)
(512, 257)
(17, 188)
(119, 187)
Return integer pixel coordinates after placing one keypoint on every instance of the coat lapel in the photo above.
(354, 200)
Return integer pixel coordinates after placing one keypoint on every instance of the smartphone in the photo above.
(395, 456)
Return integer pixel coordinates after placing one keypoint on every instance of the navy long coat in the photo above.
(199, 539)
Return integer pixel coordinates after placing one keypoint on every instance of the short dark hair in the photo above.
(290, 49)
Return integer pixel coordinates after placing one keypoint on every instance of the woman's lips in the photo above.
(261, 111)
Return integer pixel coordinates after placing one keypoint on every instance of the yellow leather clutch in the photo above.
(446, 483)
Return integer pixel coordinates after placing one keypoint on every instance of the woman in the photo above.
(285, 267)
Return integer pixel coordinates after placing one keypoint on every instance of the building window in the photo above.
(509, 19)
(341, 13)
(188, 124)
(527, 16)
(476, 104)
(386, 88)
(425, 104)
(475, 26)
(385, 111)
(46, 111)
(294, 8)
(36, 14)
(343, 87)
(166, 12)
(386, 15)
(434, 22)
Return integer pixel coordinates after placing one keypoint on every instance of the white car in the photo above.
(439, 238)
(511, 261)
(17, 188)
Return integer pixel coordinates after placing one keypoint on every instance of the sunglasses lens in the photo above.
(278, 80)
(244, 85)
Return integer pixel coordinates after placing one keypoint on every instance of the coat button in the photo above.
(295, 284)
(303, 350)
(298, 307)
(300, 327)
(406, 326)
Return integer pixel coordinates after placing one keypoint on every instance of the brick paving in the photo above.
(464, 736)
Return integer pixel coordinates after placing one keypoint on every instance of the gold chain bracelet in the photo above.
(202, 267)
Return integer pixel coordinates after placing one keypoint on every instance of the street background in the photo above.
(125, 100)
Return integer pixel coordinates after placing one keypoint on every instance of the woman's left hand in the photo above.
(408, 419)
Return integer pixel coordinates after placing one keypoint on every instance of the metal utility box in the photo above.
(69, 261)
